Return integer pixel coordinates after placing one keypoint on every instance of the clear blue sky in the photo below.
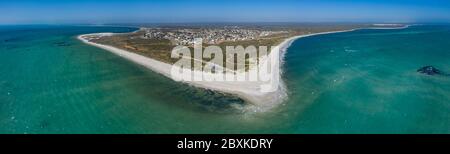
(153, 11)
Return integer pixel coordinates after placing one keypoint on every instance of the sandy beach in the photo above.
(249, 91)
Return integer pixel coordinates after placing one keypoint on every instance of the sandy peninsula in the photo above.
(249, 91)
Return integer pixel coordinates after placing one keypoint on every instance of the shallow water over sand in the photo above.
(355, 82)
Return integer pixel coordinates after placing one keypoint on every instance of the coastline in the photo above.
(248, 91)
(387, 28)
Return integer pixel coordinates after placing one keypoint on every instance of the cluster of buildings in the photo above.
(209, 35)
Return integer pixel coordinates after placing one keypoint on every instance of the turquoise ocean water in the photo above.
(363, 81)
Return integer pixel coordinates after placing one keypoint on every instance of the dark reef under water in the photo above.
(431, 70)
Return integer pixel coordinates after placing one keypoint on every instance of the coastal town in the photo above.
(186, 36)
(158, 41)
